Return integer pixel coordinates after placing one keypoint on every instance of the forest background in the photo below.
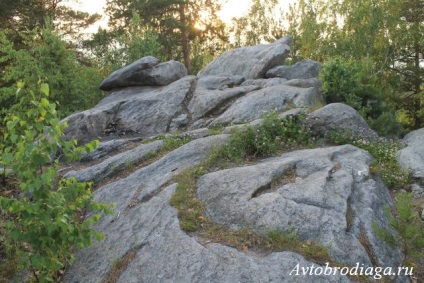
(372, 50)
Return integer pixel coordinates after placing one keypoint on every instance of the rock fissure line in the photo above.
(320, 210)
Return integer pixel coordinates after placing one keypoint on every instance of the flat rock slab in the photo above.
(116, 163)
(206, 101)
(276, 98)
(325, 195)
(249, 62)
(147, 71)
(305, 69)
(107, 148)
(164, 253)
(411, 158)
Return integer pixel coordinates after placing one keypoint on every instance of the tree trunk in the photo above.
(184, 38)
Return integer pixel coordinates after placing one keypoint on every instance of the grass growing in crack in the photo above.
(190, 208)
(119, 267)
(193, 219)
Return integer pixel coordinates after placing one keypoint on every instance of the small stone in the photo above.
(417, 190)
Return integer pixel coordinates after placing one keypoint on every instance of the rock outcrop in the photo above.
(411, 158)
(306, 69)
(339, 117)
(147, 71)
(141, 106)
(327, 196)
(311, 192)
(250, 62)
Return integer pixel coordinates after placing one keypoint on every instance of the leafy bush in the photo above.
(273, 135)
(45, 218)
(345, 82)
(43, 55)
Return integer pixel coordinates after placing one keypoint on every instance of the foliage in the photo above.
(177, 23)
(386, 34)
(73, 83)
(113, 50)
(384, 151)
(46, 219)
(258, 25)
(409, 227)
(273, 135)
(348, 82)
(18, 16)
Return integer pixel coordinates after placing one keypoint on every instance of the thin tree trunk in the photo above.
(185, 39)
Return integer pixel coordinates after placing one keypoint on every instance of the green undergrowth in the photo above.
(41, 215)
(273, 137)
(384, 151)
(407, 222)
(276, 136)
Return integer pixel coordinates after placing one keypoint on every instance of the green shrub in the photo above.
(275, 134)
(45, 219)
(409, 227)
(44, 55)
(349, 83)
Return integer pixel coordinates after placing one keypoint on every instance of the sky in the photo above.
(233, 8)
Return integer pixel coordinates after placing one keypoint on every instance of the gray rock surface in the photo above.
(131, 194)
(146, 71)
(325, 195)
(116, 163)
(264, 83)
(278, 98)
(206, 101)
(147, 111)
(166, 254)
(88, 125)
(108, 147)
(305, 83)
(411, 158)
(339, 117)
(305, 69)
(218, 82)
(250, 62)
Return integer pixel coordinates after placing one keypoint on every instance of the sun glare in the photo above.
(230, 9)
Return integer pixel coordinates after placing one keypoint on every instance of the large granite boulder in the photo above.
(147, 71)
(339, 117)
(411, 158)
(250, 62)
(146, 111)
(306, 69)
(325, 195)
